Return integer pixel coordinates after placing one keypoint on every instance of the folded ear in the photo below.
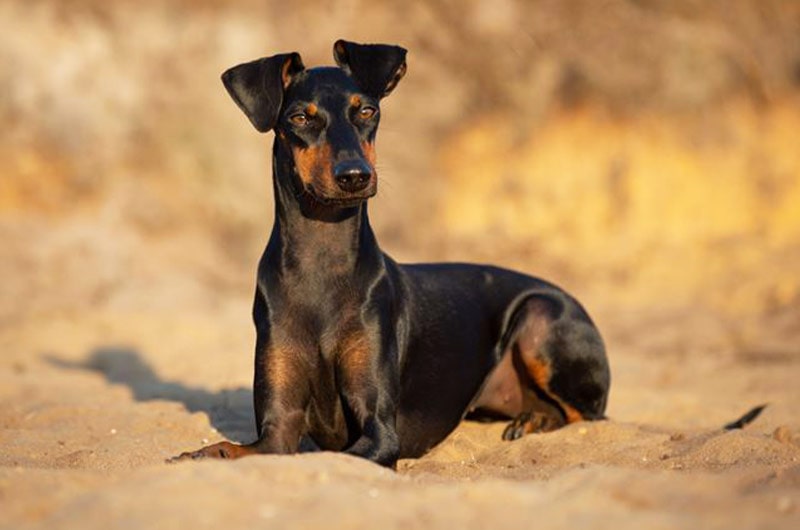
(257, 87)
(376, 68)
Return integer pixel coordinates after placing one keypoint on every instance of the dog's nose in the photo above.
(352, 175)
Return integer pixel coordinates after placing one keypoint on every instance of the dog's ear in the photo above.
(376, 68)
(257, 87)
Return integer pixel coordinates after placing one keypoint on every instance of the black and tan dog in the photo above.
(356, 353)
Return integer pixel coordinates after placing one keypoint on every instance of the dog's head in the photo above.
(325, 117)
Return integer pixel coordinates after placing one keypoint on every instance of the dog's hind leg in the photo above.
(560, 361)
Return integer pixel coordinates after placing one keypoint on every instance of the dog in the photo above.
(357, 353)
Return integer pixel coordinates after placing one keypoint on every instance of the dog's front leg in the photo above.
(378, 440)
(280, 395)
(281, 391)
(280, 436)
(369, 383)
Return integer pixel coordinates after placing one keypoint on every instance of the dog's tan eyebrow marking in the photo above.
(312, 109)
(355, 100)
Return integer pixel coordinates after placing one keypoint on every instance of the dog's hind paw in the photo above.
(530, 422)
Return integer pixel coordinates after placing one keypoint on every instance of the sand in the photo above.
(91, 404)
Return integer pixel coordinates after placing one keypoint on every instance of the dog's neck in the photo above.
(312, 237)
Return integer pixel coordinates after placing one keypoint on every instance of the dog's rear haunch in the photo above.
(357, 353)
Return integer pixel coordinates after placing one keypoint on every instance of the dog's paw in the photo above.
(529, 422)
(516, 429)
(218, 450)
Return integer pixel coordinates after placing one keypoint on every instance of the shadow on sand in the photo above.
(230, 411)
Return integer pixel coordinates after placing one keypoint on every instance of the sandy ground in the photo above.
(92, 403)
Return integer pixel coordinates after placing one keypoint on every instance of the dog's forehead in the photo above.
(323, 83)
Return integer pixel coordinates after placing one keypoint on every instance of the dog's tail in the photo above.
(746, 419)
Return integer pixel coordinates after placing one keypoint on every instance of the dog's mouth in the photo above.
(338, 200)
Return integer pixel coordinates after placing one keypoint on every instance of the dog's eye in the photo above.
(299, 119)
(366, 113)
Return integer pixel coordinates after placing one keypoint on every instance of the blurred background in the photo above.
(642, 153)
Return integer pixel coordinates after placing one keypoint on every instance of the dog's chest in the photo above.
(329, 327)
